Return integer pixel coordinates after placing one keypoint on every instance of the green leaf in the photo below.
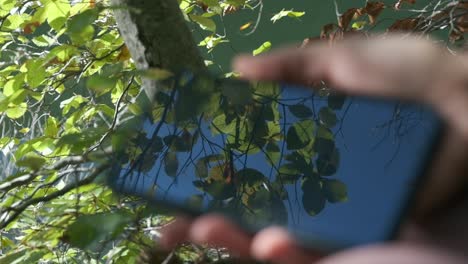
(236, 3)
(219, 190)
(219, 125)
(16, 111)
(52, 127)
(57, 12)
(201, 168)
(286, 13)
(101, 84)
(32, 161)
(289, 173)
(63, 52)
(327, 163)
(210, 3)
(273, 152)
(324, 146)
(22, 255)
(336, 102)
(300, 111)
(335, 191)
(72, 102)
(36, 73)
(204, 22)
(88, 231)
(237, 93)
(313, 199)
(77, 23)
(266, 46)
(300, 134)
(171, 164)
(327, 117)
(13, 22)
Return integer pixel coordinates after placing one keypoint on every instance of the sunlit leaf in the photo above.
(16, 111)
(266, 46)
(204, 22)
(286, 13)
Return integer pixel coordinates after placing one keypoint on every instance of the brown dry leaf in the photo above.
(229, 10)
(31, 27)
(124, 54)
(346, 17)
(326, 30)
(400, 2)
(373, 10)
(455, 35)
(407, 24)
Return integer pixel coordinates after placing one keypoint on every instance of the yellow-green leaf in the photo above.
(286, 13)
(204, 22)
(263, 48)
(16, 111)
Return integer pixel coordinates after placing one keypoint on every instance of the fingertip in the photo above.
(276, 244)
(216, 230)
(246, 65)
(174, 233)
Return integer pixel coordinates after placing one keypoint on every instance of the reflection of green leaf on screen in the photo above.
(336, 102)
(204, 22)
(171, 164)
(313, 199)
(300, 111)
(327, 163)
(237, 94)
(300, 134)
(335, 191)
(327, 117)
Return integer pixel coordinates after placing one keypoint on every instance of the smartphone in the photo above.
(336, 170)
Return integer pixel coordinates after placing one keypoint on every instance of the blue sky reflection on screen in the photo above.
(382, 146)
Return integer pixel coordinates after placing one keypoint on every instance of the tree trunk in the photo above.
(157, 36)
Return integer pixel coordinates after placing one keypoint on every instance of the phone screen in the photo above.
(335, 170)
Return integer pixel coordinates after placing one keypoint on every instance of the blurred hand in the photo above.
(389, 66)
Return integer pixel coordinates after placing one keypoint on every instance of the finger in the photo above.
(290, 65)
(216, 230)
(175, 233)
(276, 245)
(390, 254)
(360, 66)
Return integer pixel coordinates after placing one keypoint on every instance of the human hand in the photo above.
(391, 66)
